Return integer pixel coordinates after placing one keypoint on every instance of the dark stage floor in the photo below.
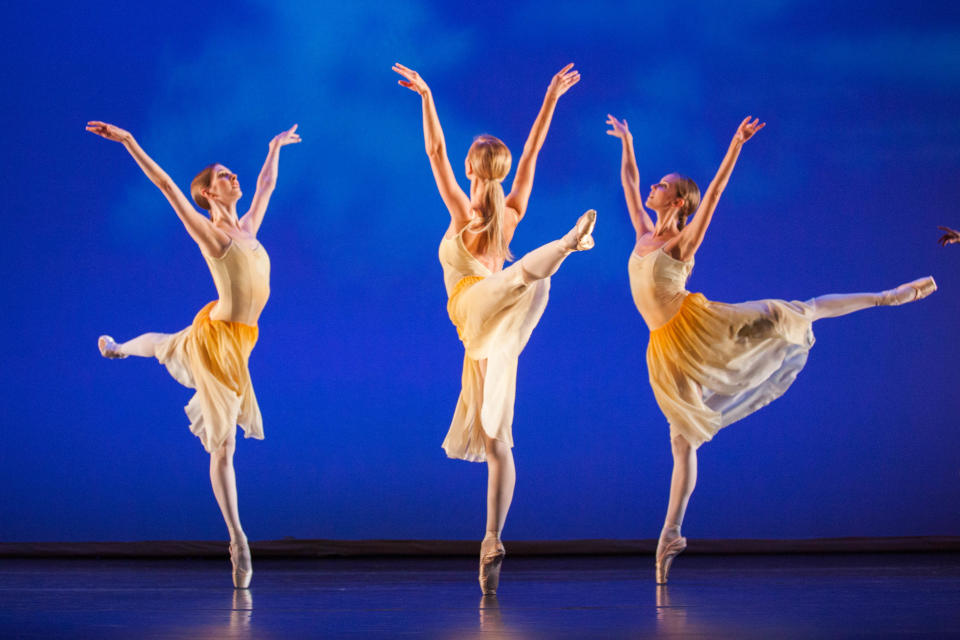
(772, 596)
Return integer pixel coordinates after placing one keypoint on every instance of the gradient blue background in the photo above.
(357, 369)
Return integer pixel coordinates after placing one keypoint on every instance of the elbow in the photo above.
(165, 184)
(436, 151)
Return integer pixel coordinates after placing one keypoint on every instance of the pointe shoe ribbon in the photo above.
(241, 576)
(665, 556)
(490, 564)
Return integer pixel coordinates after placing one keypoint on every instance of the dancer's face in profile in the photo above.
(663, 194)
(224, 186)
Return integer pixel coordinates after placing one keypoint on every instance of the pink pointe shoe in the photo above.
(109, 348)
(909, 292)
(491, 559)
(665, 555)
(579, 237)
(241, 576)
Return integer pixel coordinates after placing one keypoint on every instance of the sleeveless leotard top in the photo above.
(242, 279)
(658, 284)
(458, 263)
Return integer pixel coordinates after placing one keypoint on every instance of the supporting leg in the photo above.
(224, 481)
(501, 479)
(682, 483)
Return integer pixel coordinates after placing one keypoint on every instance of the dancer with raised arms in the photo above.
(494, 309)
(710, 363)
(211, 355)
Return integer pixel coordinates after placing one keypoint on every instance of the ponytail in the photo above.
(490, 160)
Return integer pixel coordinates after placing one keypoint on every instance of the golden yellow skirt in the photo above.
(715, 363)
(212, 357)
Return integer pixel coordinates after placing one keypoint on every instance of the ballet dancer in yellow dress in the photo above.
(494, 309)
(211, 354)
(710, 363)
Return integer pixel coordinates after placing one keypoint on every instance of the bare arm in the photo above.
(523, 180)
(267, 180)
(630, 177)
(457, 202)
(692, 234)
(212, 241)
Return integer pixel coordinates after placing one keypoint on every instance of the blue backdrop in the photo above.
(357, 369)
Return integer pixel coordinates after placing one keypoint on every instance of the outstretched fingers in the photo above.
(748, 127)
(618, 128)
(564, 79)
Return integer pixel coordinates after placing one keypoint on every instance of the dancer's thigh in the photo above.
(491, 295)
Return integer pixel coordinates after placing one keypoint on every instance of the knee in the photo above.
(497, 450)
(223, 455)
(680, 446)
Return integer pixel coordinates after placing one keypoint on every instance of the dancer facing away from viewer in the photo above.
(494, 309)
(710, 363)
(211, 355)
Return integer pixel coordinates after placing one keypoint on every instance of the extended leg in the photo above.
(501, 479)
(224, 481)
(144, 346)
(840, 304)
(544, 261)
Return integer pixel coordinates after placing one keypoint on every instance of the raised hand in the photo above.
(108, 131)
(747, 128)
(950, 237)
(290, 136)
(412, 81)
(563, 80)
(618, 128)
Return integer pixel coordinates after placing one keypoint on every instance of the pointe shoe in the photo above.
(579, 237)
(109, 348)
(909, 292)
(490, 563)
(241, 576)
(665, 556)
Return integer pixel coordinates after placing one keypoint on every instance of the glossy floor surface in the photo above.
(798, 596)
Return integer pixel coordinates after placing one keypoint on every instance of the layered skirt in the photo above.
(211, 356)
(714, 363)
(494, 316)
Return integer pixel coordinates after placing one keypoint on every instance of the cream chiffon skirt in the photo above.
(714, 363)
(494, 316)
(211, 356)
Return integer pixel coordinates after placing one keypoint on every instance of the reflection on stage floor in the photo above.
(760, 596)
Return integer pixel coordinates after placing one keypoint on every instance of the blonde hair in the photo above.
(201, 182)
(690, 192)
(490, 160)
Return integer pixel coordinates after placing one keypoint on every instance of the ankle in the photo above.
(670, 532)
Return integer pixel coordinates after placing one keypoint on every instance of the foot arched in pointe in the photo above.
(666, 552)
(909, 292)
(109, 348)
(579, 237)
(492, 552)
(242, 565)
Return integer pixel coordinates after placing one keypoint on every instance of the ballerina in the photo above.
(494, 309)
(710, 363)
(211, 354)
